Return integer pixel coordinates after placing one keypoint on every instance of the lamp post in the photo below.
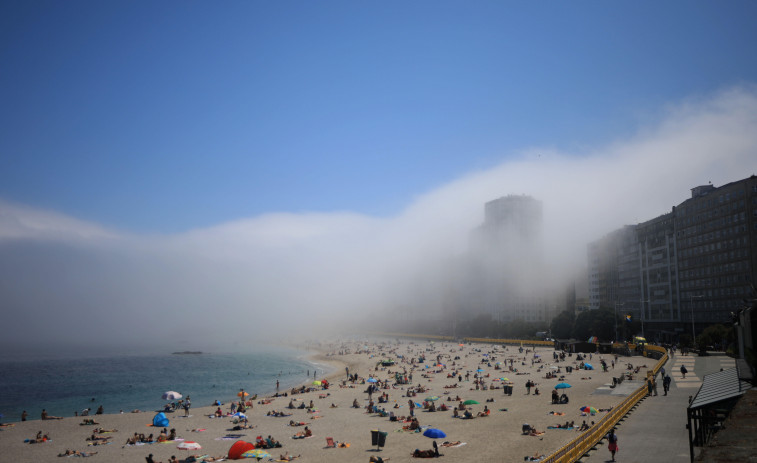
(693, 332)
(641, 308)
(616, 319)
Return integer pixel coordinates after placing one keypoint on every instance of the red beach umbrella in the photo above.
(238, 448)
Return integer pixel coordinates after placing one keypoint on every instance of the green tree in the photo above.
(562, 324)
(715, 335)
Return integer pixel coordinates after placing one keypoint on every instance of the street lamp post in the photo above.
(616, 319)
(641, 308)
(693, 332)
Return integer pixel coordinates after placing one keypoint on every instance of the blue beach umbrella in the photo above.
(434, 433)
(562, 386)
(589, 366)
(372, 380)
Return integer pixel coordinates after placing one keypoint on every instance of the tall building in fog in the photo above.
(506, 274)
(696, 263)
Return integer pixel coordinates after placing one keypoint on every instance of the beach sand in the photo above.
(497, 437)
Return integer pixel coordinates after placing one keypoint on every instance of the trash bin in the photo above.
(508, 390)
(569, 369)
(378, 437)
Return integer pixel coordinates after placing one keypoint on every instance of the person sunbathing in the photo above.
(287, 457)
(424, 453)
(374, 459)
(71, 453)
(45, 416)
(102, 430)
(99, 438)
(451, 444)
(303, 434)
(99, 442)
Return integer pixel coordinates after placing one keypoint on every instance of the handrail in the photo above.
(511, 341)
(578, 447)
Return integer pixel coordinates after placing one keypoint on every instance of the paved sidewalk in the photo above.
(655, 431)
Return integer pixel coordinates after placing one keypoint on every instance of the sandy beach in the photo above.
(496, 437)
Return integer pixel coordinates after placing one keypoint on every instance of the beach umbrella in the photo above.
(257, 453)
(589, 366)
(433, 398)
(239, 415)
(372, 380)
(171, 395)
(562, 386)
(470, 402)
(588, 409)
(480, 370)
(238, 448)
(418, 405)
(504, 379)
(434, 433)
(189, 445)
(242, 394)
(317, 383)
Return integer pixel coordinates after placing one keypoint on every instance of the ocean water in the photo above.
(62, 386)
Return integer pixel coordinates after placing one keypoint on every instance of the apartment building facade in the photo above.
(694, 265)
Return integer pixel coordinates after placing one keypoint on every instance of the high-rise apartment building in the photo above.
(694, 265)
(507, 267)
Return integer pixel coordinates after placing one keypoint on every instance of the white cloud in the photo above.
(307, 271)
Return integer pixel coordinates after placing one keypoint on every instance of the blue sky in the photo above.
(161, 117)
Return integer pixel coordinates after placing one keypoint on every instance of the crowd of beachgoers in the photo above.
(386, 399)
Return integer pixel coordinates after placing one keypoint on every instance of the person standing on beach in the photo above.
(24, 415)
(612, 446)
(277, 385)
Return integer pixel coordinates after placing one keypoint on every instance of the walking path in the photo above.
(656, 429)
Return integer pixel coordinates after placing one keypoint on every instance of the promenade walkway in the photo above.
(656, 430)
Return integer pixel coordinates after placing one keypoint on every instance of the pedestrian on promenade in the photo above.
(613, 443)
(649, 386)
(666, 384)
(684, 371)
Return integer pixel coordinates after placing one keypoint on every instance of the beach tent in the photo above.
(160, 420)
(238, 448)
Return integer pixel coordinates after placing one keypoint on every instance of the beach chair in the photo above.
(330, 442)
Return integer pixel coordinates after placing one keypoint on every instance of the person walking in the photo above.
(612, 445)
(684, 371)
(666, 384)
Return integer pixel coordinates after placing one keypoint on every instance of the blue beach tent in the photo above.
(160, 420)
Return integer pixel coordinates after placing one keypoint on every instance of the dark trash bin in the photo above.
(378, 438)
(569, 369)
